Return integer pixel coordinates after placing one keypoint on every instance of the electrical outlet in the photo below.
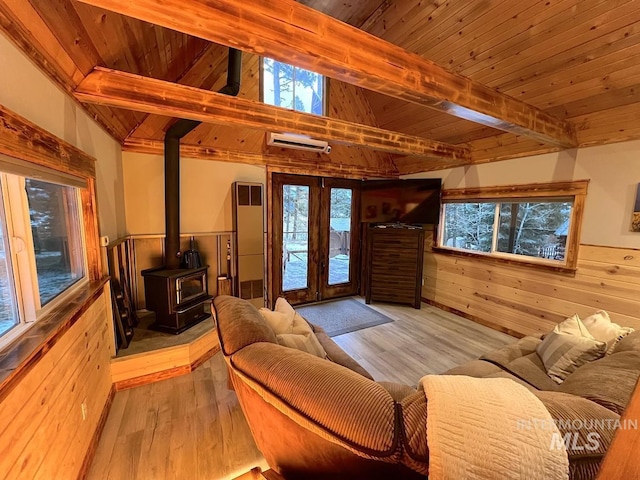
(83, 407)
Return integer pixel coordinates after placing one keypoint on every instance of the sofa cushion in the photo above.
(609, 381)
(240, 324)
(336, 354)
(305, 343)
(328, 399)
(510, 352)
(567, 347)
(604, 330)
(586, 427)
(521, 361)
(629, 343)
(398, 391)
(475, 368)
(414, 419)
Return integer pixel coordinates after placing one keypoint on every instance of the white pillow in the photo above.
(278, 321)
(284, 319)
(305, 343)
(573, 326)
(604, 330)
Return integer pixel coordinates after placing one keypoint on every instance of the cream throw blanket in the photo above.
(477, 430)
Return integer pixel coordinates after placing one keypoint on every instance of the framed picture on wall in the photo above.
(635, 222)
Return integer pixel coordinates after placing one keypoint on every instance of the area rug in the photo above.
(338, 317)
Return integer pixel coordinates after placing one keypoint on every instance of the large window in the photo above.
(528, 223)
(42, 252)
(291, 87)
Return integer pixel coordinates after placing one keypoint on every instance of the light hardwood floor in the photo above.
(191, 427)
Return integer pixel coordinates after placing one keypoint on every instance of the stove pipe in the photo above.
(172, 164)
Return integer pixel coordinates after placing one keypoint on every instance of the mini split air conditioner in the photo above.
(299, 142)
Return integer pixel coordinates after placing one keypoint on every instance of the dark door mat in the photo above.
(338, 317)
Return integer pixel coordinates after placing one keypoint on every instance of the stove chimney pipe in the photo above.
(172, 164)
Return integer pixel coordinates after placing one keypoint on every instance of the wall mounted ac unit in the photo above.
(299, 142)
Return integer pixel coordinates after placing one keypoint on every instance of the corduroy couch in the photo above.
(316, 418)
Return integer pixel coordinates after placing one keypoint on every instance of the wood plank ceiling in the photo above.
(577, 60)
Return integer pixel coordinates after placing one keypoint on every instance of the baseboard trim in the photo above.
(165, 374)
(473, 318)
(95, 440)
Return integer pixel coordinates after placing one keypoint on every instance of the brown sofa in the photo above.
(314, 418)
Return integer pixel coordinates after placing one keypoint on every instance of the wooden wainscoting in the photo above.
(523, 300)
(42, 430)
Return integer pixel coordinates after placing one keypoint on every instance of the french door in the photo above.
(316, 243)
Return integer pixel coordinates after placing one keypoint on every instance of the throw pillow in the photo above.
(278, 321)
(573, 326)
(306, 343)
(291, 329)
(568, 347)
(604, 330)
(281, 319)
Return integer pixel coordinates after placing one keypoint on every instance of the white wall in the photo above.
(205, 193)
(614, 171)
(31, 94)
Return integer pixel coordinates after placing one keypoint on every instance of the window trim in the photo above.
(22, 264)
(325, 88)
(576, 190)
(58, 156)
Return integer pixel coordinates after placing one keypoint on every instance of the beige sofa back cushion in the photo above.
(609, 381)
(629, 343)
(240, 324)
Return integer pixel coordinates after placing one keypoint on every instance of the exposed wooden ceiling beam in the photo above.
(135, 92)
(291, 32)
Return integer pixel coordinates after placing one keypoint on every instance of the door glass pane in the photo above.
(295, 237)
(57, 240)
(8, 311)
(340, 235)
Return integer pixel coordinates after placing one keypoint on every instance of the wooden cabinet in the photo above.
(394, 265)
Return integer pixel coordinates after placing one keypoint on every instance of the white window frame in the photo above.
(22, 255)
(574, 192)
(325, 88)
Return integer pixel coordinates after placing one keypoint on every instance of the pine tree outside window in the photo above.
(291, 87)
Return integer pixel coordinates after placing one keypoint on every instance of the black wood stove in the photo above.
(179, 297)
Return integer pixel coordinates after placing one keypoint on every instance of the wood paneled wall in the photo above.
(523, 300)
(42, 432)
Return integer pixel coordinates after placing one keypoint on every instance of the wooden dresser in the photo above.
(394, 260)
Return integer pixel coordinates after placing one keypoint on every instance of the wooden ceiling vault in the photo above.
(415, 85)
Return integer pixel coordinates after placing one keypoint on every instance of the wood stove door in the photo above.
(296, 227)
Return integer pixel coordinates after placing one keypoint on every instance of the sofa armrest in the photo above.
(307, 389)
(336, 354)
